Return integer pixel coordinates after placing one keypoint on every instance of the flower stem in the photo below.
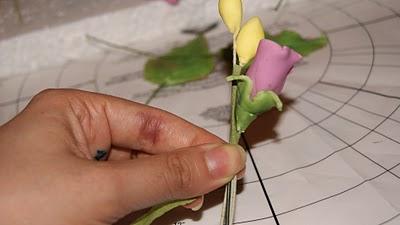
(234, 52)
(234, 134)
(229, 205)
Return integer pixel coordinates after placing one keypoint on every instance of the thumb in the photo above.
(179, 174)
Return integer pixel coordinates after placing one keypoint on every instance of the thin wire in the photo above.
(260, 180)
(228, 206)
(234, 50)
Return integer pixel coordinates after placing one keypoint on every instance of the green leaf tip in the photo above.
(157, 211)
(183, 64)
(293, 40)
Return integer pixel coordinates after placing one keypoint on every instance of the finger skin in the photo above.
(180, 174)
(44, 171)
(99, 121)
(119, 154)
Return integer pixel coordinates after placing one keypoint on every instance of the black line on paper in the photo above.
(322, 199)
(349, 49)
(360, 90)
(260, 180)
(363, 54)
(357, 25)
(364, 64)
(390, 219)
(352, 105)
(356, 123)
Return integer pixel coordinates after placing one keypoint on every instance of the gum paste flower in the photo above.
(266, 76)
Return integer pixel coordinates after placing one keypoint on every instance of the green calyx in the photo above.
(247, 107)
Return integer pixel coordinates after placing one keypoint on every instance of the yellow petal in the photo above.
(248, 39)
(231, 13)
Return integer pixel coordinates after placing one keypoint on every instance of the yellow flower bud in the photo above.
(248, 39)
(231, 13)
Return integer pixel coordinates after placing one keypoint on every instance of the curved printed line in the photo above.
(320, 200)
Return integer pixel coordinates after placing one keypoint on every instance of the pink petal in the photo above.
(271, 66)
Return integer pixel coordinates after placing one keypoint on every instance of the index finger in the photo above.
(110, 121)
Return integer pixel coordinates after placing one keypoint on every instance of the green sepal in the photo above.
(159, 210)
(183, 64)
(248, 108)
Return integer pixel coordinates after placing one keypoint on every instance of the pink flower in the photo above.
(172, 2)
(271, 66)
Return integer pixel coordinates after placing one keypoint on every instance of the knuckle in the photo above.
(46, 93)
(48, 96)
(150, 129)
(180, 174)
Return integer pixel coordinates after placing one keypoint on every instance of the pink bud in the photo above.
(271, 66)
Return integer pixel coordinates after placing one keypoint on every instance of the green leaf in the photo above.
(190, 62)
(158, 211)
(293, 40)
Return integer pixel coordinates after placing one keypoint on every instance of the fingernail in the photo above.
(225, 160)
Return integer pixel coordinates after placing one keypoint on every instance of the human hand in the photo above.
(48, 175)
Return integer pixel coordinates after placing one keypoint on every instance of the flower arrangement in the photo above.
(256, 91)
(261, 63)
(252, 93)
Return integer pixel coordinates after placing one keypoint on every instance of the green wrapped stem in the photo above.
(229, 204)
(248, 107)
(234, 134)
